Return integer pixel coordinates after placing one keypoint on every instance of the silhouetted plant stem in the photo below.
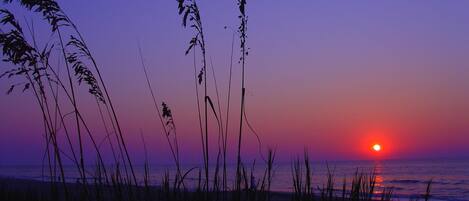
(198, 108)
(225, 144)
(270, 164)
(146, 173)
(191, 11)
(221, 136)
(115, 119)
(426, 196)
(108, 133)
(20, 53)
(55, 97)
(242, 31)
(81, 119)
(204, 68)
(56, 18)
(119, 144)
(174, 149)
(73, 100)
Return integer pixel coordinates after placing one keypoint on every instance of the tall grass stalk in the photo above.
(20, 53)
(242, 29)
(426, 196)
(190, 12)
(167, 132)
(228, 99)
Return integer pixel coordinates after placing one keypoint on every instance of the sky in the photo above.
(332, 77)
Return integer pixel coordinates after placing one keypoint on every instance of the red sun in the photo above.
(376, 147)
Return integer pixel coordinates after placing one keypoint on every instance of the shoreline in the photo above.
(25, 188)
(30, 189)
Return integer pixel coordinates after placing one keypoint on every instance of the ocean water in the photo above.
(408, 178)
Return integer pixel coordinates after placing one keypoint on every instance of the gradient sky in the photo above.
(332, 76)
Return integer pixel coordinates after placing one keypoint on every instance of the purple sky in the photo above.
(332, 76)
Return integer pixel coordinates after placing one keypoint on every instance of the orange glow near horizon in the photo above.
(377, 142)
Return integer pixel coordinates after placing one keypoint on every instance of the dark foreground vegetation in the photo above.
(54, 88)
(361, 188)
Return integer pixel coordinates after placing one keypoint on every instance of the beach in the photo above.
(408, 178)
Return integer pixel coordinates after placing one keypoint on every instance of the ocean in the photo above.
(408, 178)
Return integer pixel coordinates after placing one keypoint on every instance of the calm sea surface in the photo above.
(407, 177)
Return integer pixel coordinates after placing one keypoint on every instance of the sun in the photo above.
(377, 147)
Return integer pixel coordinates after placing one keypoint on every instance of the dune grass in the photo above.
(55, 91)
